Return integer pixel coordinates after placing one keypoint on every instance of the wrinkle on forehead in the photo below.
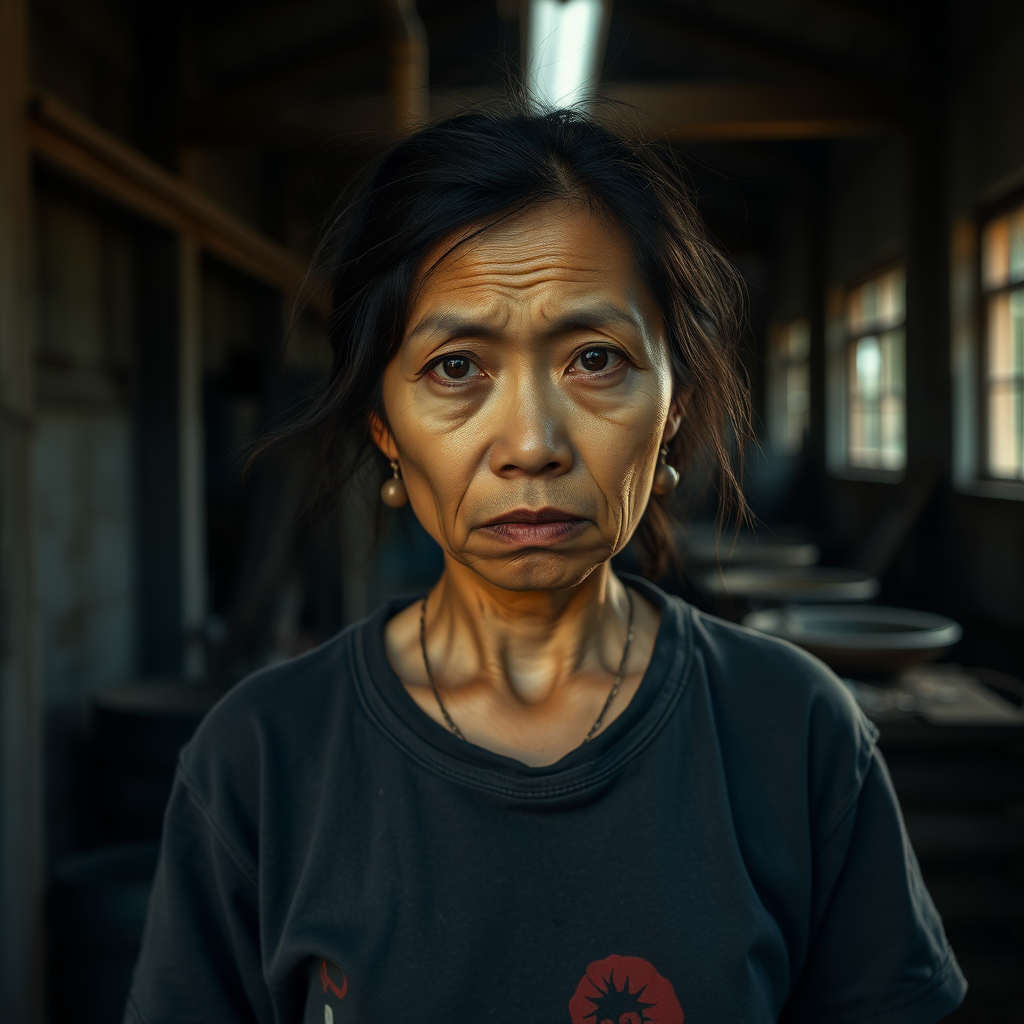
(549, 244)
(504, 235)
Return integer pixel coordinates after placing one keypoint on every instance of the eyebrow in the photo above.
(594, 316)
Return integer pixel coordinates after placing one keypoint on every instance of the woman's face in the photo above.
(530, 397)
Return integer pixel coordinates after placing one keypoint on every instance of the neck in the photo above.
(526, 644)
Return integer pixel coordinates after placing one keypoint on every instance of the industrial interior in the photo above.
(165, 168)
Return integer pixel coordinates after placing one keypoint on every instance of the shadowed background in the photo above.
(164, 169)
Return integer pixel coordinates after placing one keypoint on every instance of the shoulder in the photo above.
(783, 715)
(765, 674)
(271, 730)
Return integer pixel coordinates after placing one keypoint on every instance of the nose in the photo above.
(531, 437)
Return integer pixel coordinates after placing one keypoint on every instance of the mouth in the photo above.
(541, 527)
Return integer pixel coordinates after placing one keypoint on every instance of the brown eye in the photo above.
(455, 367)
(594, 359)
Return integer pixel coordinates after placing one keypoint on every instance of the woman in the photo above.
(541, 792)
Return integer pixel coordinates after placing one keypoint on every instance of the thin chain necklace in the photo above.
(604, 710)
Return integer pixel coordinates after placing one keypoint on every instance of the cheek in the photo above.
(439, 455)
(438, 472)
(619, 443)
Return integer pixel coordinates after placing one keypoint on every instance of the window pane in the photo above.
(868, 367)
(892, 300)
(1006, 334)
(876, 425)
(798, 340)
(1005, 430)
(1017, 245)
(995, 253)
(1017, 332)
(893, 431)
(878, 303)
(1006, 384)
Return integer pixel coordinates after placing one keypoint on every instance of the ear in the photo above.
(676, 414)
(382, 438)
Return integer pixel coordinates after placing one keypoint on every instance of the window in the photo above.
(874, 373)
(789, 386)
(1002, 282)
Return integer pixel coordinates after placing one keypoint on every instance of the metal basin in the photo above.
(861, 638)
(701, 547)
(783, 585)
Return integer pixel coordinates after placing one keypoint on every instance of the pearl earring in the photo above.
(393, 492)
(666, 477)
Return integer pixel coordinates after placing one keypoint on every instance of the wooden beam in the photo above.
(77, 147)
(22, 844)
(289, 124)
(682, 111)
(711, 111)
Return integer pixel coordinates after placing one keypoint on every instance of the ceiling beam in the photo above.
(712, 111)
(682, 111)
(77, 147)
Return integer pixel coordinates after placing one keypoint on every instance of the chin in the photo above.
(536, 570)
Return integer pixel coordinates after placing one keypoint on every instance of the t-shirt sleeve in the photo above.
(877, 951)
(200, 958)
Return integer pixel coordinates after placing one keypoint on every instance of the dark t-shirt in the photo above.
(729, 849)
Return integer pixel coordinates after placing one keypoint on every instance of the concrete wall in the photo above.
(83, 480)
(83, 450)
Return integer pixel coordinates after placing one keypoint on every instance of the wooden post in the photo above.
(192, 491)
(22, 851)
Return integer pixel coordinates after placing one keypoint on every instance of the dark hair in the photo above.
(477, 168)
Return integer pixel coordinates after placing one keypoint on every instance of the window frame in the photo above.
(840, 341)
(969, 352)
(993, 213)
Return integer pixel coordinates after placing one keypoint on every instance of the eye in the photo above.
(455, 368)
(594, 360)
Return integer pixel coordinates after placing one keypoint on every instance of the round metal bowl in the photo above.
(704, 548)
(861, 638)
(784, 585)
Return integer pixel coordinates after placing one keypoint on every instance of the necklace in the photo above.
(455, 730)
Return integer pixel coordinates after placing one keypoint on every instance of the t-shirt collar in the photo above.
(582, 770)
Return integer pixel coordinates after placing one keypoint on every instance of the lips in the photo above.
(540, 515)
(540, 527)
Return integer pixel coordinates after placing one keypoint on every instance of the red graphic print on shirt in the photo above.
(624, 990)
(329, 983)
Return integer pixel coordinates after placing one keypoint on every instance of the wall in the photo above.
(965, 556)
(82, 476)
(986, 163)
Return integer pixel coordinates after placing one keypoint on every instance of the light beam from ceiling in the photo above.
(564, 47)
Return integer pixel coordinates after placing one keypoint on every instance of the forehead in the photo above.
(554, 246)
